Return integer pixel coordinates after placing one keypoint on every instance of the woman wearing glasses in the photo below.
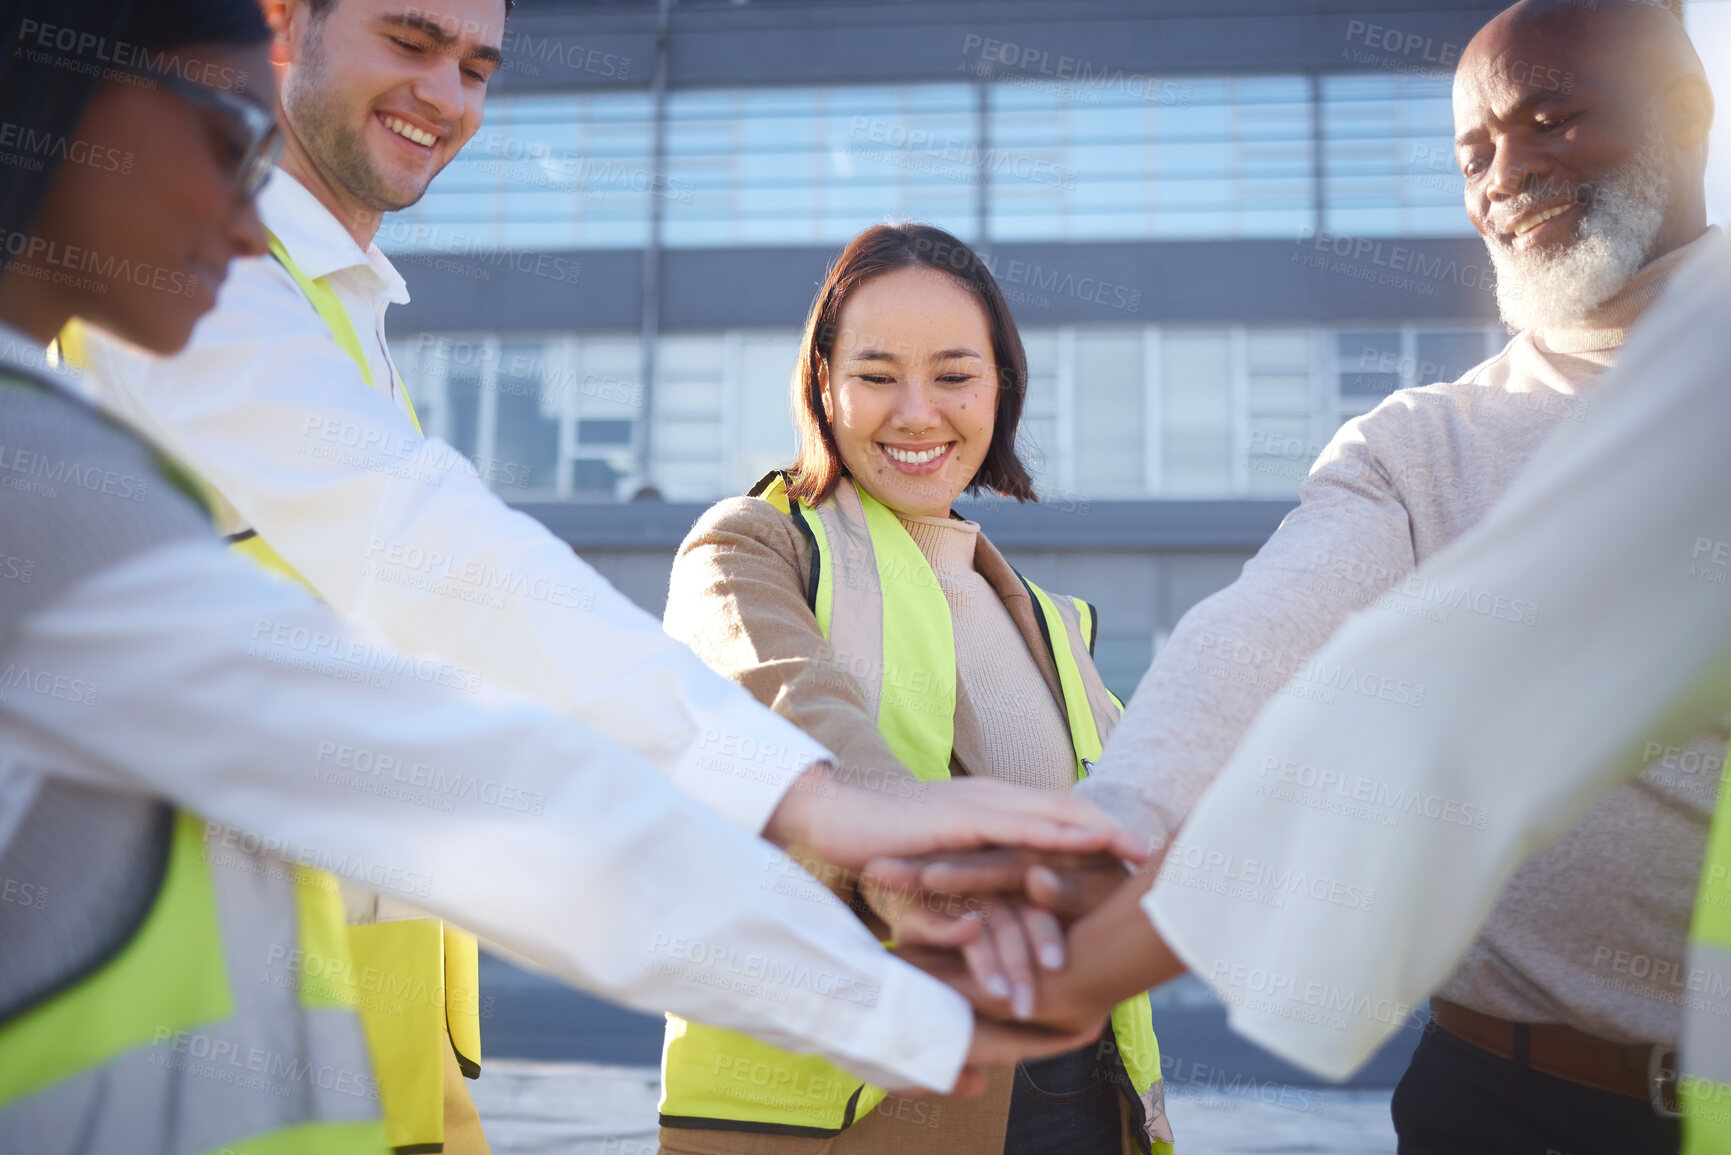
(172, 983)
(848, 594)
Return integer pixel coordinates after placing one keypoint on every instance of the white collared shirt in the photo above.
(398, 531)
(243, 699)
(364, 279)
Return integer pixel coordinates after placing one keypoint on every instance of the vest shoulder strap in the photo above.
(772, 487)
(1068, 627)
(68, 349)
(329, 307)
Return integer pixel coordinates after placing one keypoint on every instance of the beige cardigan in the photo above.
(737, 597)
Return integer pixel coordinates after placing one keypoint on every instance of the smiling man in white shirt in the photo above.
(286, 403)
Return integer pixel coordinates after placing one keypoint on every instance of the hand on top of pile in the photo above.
(1111, 949)
(849, 825)
(1003, 909)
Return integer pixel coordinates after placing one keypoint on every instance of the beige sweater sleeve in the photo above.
(737, 598)
(1348, 540)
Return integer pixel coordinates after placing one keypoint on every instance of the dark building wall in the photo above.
(1303, 280)
(712, 44)
(553, 45)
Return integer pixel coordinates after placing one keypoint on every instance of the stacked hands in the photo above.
(1026, 902)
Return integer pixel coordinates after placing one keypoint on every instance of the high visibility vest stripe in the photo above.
(1085, 735)
(1707, 1042)
(40, 1048)
(896, 638)
(906, 661)
(1704, 1086)
(329, 307)
(197, 1036)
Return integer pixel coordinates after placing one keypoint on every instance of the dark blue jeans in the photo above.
(1065, 1105)
(1456, 1099)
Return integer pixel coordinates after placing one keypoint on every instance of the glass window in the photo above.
(463, 408)
(765, 438)
(1388, 155)
(1222, 156)
(545, 171)
(1216, 157)
(526, 421)
(1273, 178)
(1280, 400)
(604, 433)
(1279, 370)
(603, 384)
(687, 438)
(1368, 363)
(1230, 411)
(778, 166)
(1280, 453)
(1446, 355)
(689, 400)
(702, 140)
(595, 479)
(1196, 414)
(1037, 435)
(1109, 400)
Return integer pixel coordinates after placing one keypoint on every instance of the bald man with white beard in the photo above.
(1589, 196)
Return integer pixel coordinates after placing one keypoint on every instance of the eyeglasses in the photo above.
(264, 135)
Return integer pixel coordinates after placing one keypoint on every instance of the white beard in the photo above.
(1550, 288)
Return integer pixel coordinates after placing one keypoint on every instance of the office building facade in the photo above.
(1224, 228)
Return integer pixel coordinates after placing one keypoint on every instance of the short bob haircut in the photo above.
(883, 249)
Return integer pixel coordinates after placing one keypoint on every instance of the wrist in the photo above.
(795, 819)
(1121, 953)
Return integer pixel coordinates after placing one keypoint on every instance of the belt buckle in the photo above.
(1662, 1081)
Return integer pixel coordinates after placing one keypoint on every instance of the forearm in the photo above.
(1234, 651)
(240, 698)
(519, 604)
(1115, 951)
(1529, 722)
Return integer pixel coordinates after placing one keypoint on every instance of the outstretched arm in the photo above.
(239, 697)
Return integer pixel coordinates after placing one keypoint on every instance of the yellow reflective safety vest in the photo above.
(413, 980)
(205, 1026)
(884, 615)
(416, 979)
(208, 1029)
(1704, 1082)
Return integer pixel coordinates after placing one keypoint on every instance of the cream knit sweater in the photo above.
(1392, 489)
(998, 687)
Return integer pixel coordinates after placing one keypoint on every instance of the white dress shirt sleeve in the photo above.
(241, 698)
(399, 531)
(1620, 530)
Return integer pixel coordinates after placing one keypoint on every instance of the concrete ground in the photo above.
(534, 1107)
(568, 1074)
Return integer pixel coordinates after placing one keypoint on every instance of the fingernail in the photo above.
(1052, 956)
(1022, 1005)
(997, 986)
